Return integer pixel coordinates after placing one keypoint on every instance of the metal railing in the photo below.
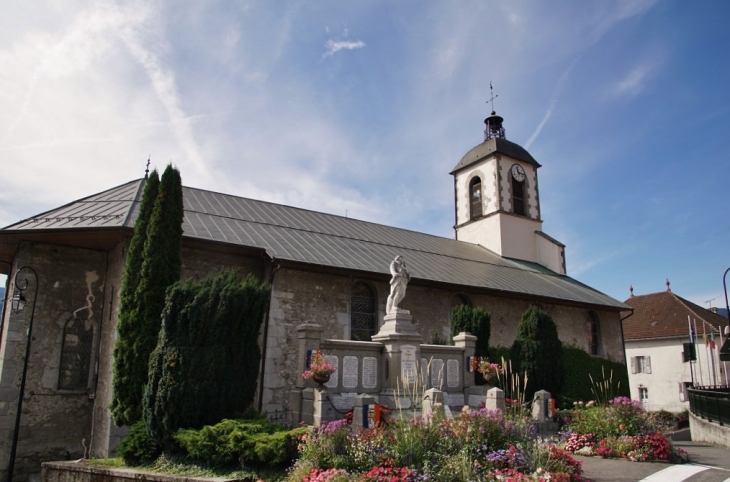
(710, 403)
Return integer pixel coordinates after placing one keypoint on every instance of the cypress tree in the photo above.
(124, 355)
(538, 351)
(478, 322)
(206, 362)
(161, 265)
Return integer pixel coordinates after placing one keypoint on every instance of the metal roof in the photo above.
(495, 144)
(299, 235)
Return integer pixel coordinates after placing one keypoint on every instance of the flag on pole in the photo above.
(691, 332)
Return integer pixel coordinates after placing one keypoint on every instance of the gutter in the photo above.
(623, 342)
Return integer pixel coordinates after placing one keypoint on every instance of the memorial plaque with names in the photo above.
(424, 373)
(335, 361)
(437, 373)
(369, 372)
(349, 371)
(452, 373)
(408, 364)
(344, 401)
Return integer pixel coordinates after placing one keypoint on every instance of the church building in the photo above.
(56, 354)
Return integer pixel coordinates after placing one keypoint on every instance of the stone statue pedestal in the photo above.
(402, 353)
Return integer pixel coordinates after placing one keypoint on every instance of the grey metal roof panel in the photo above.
(495, 144)
(106, 209)
(303, 236)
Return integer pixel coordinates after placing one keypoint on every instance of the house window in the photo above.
(362, 312)
(74, 369)
(641, 364)
(518, 197)
(475, 198)
(644, 396)
(683, 393)
(593, 333)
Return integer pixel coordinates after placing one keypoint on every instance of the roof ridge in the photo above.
(689, 305)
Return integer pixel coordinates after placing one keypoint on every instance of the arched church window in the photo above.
(518, 197)
(475, 198)
(74, 369)
(362, 312)
(593, 333)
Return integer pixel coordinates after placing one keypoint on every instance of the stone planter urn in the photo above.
(321, 379)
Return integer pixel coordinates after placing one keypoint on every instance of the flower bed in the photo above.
(479, 445)
(621, 429)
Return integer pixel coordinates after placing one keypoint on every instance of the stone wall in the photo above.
(54, 423)
(300, 297)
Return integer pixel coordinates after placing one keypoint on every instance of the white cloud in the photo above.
(632, 83)
(334, 46)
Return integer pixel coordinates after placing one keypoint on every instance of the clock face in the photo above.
(517, 172)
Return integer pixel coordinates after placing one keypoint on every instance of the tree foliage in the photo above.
(124, 354)
(206, 363)
(476, 321)
(160, 268)
(537, 350)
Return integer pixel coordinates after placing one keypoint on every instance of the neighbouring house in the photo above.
(671, 344)
(324, 269)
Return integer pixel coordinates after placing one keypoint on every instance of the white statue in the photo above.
(398, 283)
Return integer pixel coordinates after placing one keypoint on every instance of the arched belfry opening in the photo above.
(475, 198)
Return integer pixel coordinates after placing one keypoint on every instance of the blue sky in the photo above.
(363, 108)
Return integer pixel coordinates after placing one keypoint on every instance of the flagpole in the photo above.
(699, 359)
(692, 344)
(712, 356)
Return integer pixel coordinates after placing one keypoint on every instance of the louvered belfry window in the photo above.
(362, 312)
(518, 197)
(475, 198)
(78, 337)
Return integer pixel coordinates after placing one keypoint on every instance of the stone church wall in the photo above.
(55, 423)
(300, 297)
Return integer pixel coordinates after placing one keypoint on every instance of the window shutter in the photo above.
(648, 364)
(633, 364)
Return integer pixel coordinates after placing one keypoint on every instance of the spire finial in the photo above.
(631, 290)
(147, 169)
(669, 290)
(492, 97)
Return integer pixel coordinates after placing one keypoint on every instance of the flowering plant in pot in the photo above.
(319, 368)
(490, 371)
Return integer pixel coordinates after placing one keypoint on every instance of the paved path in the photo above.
(707, 464)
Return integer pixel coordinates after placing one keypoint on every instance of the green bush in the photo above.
(475, 321)
(206, 364)
(580, 367)
(250, 442)
(138, 448)
(538, 352)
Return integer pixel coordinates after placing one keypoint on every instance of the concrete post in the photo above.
(310, 338)
(363, 404)
(468, 343)
(540, 411)
(433, 400)
(495, 399)
(323, 411)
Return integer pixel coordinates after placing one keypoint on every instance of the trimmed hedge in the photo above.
(475, 321)
(577, 383)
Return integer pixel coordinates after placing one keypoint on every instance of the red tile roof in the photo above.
(664, 315)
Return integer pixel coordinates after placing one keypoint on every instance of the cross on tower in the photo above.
(147, 169)
(492, 96)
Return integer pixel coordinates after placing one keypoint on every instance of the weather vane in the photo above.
(491, 96)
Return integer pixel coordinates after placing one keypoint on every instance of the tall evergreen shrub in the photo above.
(161, 265)
(476, 321)
(538, 351)
(124, 353)
(206, 363)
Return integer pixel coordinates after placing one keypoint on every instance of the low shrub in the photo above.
(249, 442)
(138, 448)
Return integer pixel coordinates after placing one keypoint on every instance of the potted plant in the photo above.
(490, 371)
(319, 368)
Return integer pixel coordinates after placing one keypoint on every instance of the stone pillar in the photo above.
(540, 410)
(495, 399)
(401, 355)
(468, 343)
(323, 410)
(363, 403)
(301, 397)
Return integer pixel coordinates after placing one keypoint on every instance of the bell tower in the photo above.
(498, 203)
